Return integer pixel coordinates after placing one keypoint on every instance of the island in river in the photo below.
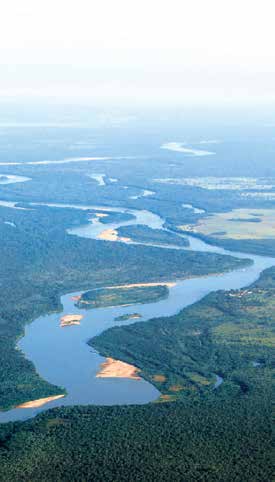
(128, 316)
(69, 320)
(122, 296)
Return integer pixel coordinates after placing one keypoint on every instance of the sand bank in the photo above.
(117, 369)
(76, 298)
(169, 284)
(39, 402)
(68, 320)
(112, 235)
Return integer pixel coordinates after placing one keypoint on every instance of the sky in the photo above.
(138, 50)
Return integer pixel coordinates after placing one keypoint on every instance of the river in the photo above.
(62, 356)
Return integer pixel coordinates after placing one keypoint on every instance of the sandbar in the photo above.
(169, 284)
(68, 320)
(117, 369)
(76, 298)
(39, 402)
(112, 235)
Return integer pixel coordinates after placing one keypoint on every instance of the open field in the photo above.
(224, 183)
(237, 224)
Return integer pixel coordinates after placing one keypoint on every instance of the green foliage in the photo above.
(40, 261)
(223, 334)
(144, 234)
(101, 298)
(213, 441)
(261, 247)
(128, 316)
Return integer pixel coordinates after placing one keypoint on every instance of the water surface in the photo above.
(62, 355)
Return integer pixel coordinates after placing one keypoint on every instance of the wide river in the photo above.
(62, 356)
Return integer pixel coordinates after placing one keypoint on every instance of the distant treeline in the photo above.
(40, 261)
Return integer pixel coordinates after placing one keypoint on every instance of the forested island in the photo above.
(179, 436)
(42, 262)
(128, 316)
(222, 334)
(121, 296)
(209, 365)
(144, 234)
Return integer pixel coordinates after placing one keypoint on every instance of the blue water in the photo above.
(62, 355)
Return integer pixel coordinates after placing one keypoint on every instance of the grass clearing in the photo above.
(237, 224)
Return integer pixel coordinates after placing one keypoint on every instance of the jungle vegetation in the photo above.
(102, 298)
(218, 435)
(144, 234)
(40, 262)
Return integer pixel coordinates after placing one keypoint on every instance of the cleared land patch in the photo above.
(221, 183)
(237, 224)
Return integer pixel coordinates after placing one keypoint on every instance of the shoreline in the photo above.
(112, 368)
(112, 235)
(39, 402)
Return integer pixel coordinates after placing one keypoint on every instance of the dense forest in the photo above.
(131, 295)
(261, 247)
(211, 362)
(40, 261)
(144, 234)
(216, 435)
(70, 184)
(226, 333)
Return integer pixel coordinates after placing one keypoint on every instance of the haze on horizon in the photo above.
(140, 51)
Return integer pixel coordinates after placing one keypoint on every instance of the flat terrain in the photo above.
(211, 435)
(223, 334)
(122, 296)
(117, 369)
(237, 224)
(196, 431)
(42, 262)
(40, 402)
(144, 234)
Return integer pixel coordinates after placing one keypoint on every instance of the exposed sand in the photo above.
(101, 215)
(165, 398)
(159, 378)
(76, 298)
(169, 284)
(117, 369)
(39, 402)
(176, 388)
(68, 320)
(112, 235)
(108, 235)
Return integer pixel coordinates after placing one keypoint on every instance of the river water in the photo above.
(62, 356)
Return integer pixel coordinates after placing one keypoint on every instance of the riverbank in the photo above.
(117, 369)
(75, 377)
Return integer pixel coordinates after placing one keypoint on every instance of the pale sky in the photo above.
(138, 49)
